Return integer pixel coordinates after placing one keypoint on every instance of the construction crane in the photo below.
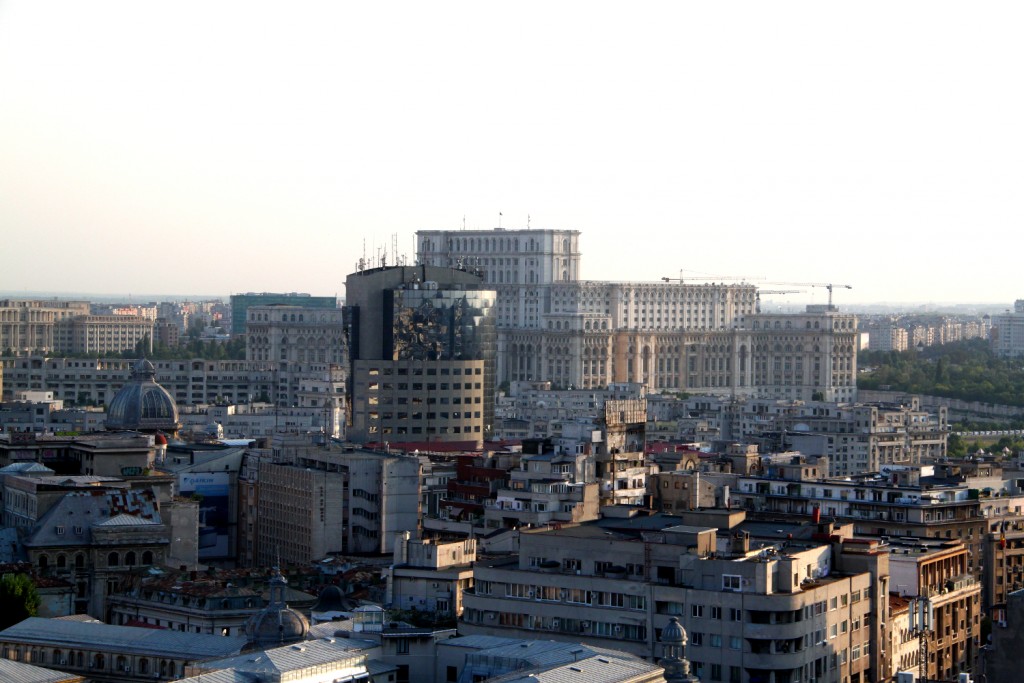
(827, 285)
(757, 298)
(708, 278)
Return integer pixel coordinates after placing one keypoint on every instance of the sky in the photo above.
(209, 148)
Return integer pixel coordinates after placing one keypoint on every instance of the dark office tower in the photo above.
(422, 343)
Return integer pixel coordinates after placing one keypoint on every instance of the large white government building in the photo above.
(669, 335)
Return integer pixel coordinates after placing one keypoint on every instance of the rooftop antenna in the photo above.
(463, 221)
(527, 221)
(499, 220)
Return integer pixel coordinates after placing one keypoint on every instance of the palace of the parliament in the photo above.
(669, 335)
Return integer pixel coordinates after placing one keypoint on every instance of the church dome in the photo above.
(142, 404)
(277, 623)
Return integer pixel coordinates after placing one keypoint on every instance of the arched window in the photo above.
(143, 666)
(112, 560)
(129, 559)
(147, 557)
(62, 561)
(98, 661)
(79, 561)
(44, 561)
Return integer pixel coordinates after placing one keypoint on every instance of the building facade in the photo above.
(240, 304)
(812, 612)
(668, 335)
(422, 345)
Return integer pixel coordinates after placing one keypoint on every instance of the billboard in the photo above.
(214, 513)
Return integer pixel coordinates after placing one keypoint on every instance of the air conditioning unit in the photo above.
(127, 669)
(585, 624)
(556, 623)
(64, 662)
(618, 628)
(529, 593)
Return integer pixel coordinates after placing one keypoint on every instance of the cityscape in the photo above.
(476, 465)
(510, 343)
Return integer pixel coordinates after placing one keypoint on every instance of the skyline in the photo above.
(211, 150)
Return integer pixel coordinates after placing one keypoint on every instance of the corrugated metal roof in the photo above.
(16, 672)
(480, 642)
(591, 670)
(122, 639)
(124, 519)
(299, 655)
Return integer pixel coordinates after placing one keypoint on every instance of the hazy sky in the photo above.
(210, 148)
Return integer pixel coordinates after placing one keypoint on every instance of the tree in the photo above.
(19, 599)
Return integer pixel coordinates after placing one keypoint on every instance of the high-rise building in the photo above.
(422, 345)
(1008, 331)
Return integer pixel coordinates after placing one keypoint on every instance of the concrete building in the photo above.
(549, 486)
(856, 438)
(1008, 331)
(669, 335)
(294, 334)
(938, 572)
(191, 382)
(313, 501)
(430, 575)
(240, 304)
(102, 334)
(28, 325)
(96, 541)
(190, 605)
(905, 503)
(423, 355)
(808, 611)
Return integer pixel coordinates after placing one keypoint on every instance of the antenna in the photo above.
(527, 221)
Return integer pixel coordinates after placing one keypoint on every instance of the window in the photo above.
(716, 612)
(716, 672)
(716, 640)
(696, 639)
(697, 611)
(402, 646)
(730, 582)
(735, 614)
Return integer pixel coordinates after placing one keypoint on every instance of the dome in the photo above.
(674, 633)
(142, 404)
(277, 623)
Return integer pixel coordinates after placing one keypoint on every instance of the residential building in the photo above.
(791, 611)
(195, 381)
(938, 572)
(430, 575)
(1008, 331)
(551, 485)
(318, 499)
(902, 503)
(102, 334)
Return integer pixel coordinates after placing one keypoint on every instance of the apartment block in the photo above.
(783, 612)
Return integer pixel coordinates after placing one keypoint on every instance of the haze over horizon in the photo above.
(198, 148)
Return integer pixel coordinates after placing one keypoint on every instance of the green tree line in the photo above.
(967, 370)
